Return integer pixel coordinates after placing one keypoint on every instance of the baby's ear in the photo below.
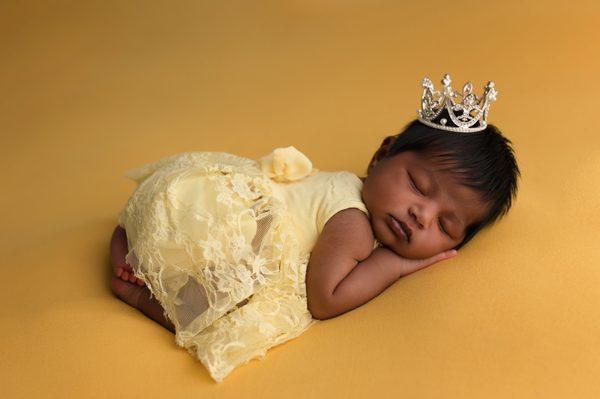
(382, 151)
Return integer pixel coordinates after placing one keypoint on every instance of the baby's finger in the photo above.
(442, 255)
(449, 254)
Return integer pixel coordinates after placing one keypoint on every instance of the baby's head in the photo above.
(443, 187)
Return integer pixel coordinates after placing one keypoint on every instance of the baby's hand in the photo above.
(407, 266)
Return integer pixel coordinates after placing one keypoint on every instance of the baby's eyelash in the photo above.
(412, 182)
(442, 228)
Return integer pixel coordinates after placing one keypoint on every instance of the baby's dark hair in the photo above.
(483, 161)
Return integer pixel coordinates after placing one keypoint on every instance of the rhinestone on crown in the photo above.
(464, 114)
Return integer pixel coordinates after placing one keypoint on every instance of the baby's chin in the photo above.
(405, 250)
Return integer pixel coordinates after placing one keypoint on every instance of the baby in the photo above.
(427, 192)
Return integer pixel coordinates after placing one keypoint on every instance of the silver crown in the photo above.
(474, 110)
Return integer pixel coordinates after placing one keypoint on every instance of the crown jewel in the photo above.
(474, 110)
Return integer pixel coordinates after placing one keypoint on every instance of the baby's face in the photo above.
(434, 208)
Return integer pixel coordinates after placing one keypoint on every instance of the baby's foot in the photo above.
(139, 298)
(118, 251)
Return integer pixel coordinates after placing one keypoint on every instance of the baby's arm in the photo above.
(344, 271)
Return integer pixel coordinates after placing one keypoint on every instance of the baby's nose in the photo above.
(415, 218)
(423, 216)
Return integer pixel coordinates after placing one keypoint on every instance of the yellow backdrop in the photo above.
(89, 89)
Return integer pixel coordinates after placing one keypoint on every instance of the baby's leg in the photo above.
(139, 298)
(118, 251)
(123, 285)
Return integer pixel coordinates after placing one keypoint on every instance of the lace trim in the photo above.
(210, 242)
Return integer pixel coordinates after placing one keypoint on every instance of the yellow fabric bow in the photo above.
(286, 164)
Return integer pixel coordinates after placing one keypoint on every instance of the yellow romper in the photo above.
(223, 243)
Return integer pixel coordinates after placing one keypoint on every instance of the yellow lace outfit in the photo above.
(223, 243)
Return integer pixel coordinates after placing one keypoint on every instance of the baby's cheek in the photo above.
(424, 249)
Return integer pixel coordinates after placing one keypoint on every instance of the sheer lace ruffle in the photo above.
(209, 238)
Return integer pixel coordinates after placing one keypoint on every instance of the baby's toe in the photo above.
(118, 251)
(127, 292)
